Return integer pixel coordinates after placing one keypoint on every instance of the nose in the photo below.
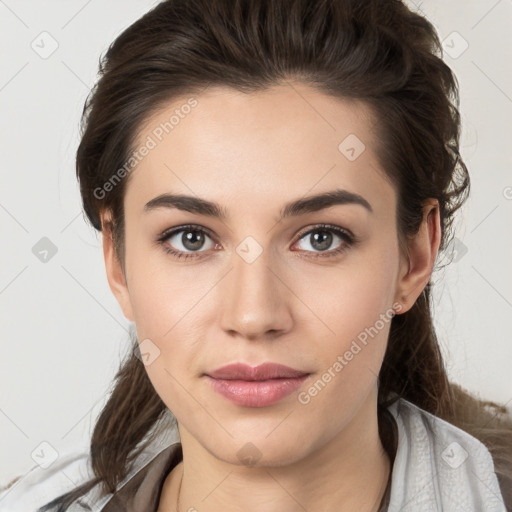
(256, 299)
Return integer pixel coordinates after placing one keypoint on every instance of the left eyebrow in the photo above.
(292, 209)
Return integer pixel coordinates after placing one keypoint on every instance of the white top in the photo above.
(437, 467)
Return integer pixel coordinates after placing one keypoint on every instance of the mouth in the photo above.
(258, 386)
(265, 371)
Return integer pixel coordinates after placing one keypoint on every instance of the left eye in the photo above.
(193, 238)
(321, 238)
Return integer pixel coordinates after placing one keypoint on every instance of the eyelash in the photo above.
(348, 238)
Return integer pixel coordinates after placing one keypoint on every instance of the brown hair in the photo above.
(376, 51)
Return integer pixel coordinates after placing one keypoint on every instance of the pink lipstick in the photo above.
(257, 386)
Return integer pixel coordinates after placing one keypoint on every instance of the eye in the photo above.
(187, 241)
(185, 238)
(321, 237)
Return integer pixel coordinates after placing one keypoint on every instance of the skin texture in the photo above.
(252, 153)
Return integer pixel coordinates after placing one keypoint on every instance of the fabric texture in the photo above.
(437, 468)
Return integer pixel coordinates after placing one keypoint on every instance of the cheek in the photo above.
(347, 299)
(350, 354)
(360, 307)
(353, 311)
(161, 294)
(166, 313)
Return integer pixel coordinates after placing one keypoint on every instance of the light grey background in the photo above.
(63, 333)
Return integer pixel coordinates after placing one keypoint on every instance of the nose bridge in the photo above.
(254, 299)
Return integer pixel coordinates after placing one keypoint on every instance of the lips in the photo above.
(258, 386)
(266, 371)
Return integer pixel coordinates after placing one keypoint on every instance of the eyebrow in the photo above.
(294, 208)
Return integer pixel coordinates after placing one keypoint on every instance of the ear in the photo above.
(423, 248)
(115, 273)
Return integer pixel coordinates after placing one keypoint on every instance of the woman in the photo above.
(274, 181)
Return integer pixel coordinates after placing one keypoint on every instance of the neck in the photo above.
(349, 473)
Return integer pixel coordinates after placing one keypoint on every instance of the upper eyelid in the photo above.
(327, 227)
(172, 231)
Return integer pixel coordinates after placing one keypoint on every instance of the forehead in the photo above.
(258, 148)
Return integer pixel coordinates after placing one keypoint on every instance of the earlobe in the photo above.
(423, 249)
(114, 270)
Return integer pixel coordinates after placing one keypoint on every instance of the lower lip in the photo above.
(256, 393)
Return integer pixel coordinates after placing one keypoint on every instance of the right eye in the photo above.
(186, 238)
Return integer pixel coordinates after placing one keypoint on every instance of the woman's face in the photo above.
(256, 287)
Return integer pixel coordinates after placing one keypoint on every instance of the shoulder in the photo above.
(38, 486)
(424, 426)
(437, 462)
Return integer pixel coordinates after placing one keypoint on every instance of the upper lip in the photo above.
(265, 371)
